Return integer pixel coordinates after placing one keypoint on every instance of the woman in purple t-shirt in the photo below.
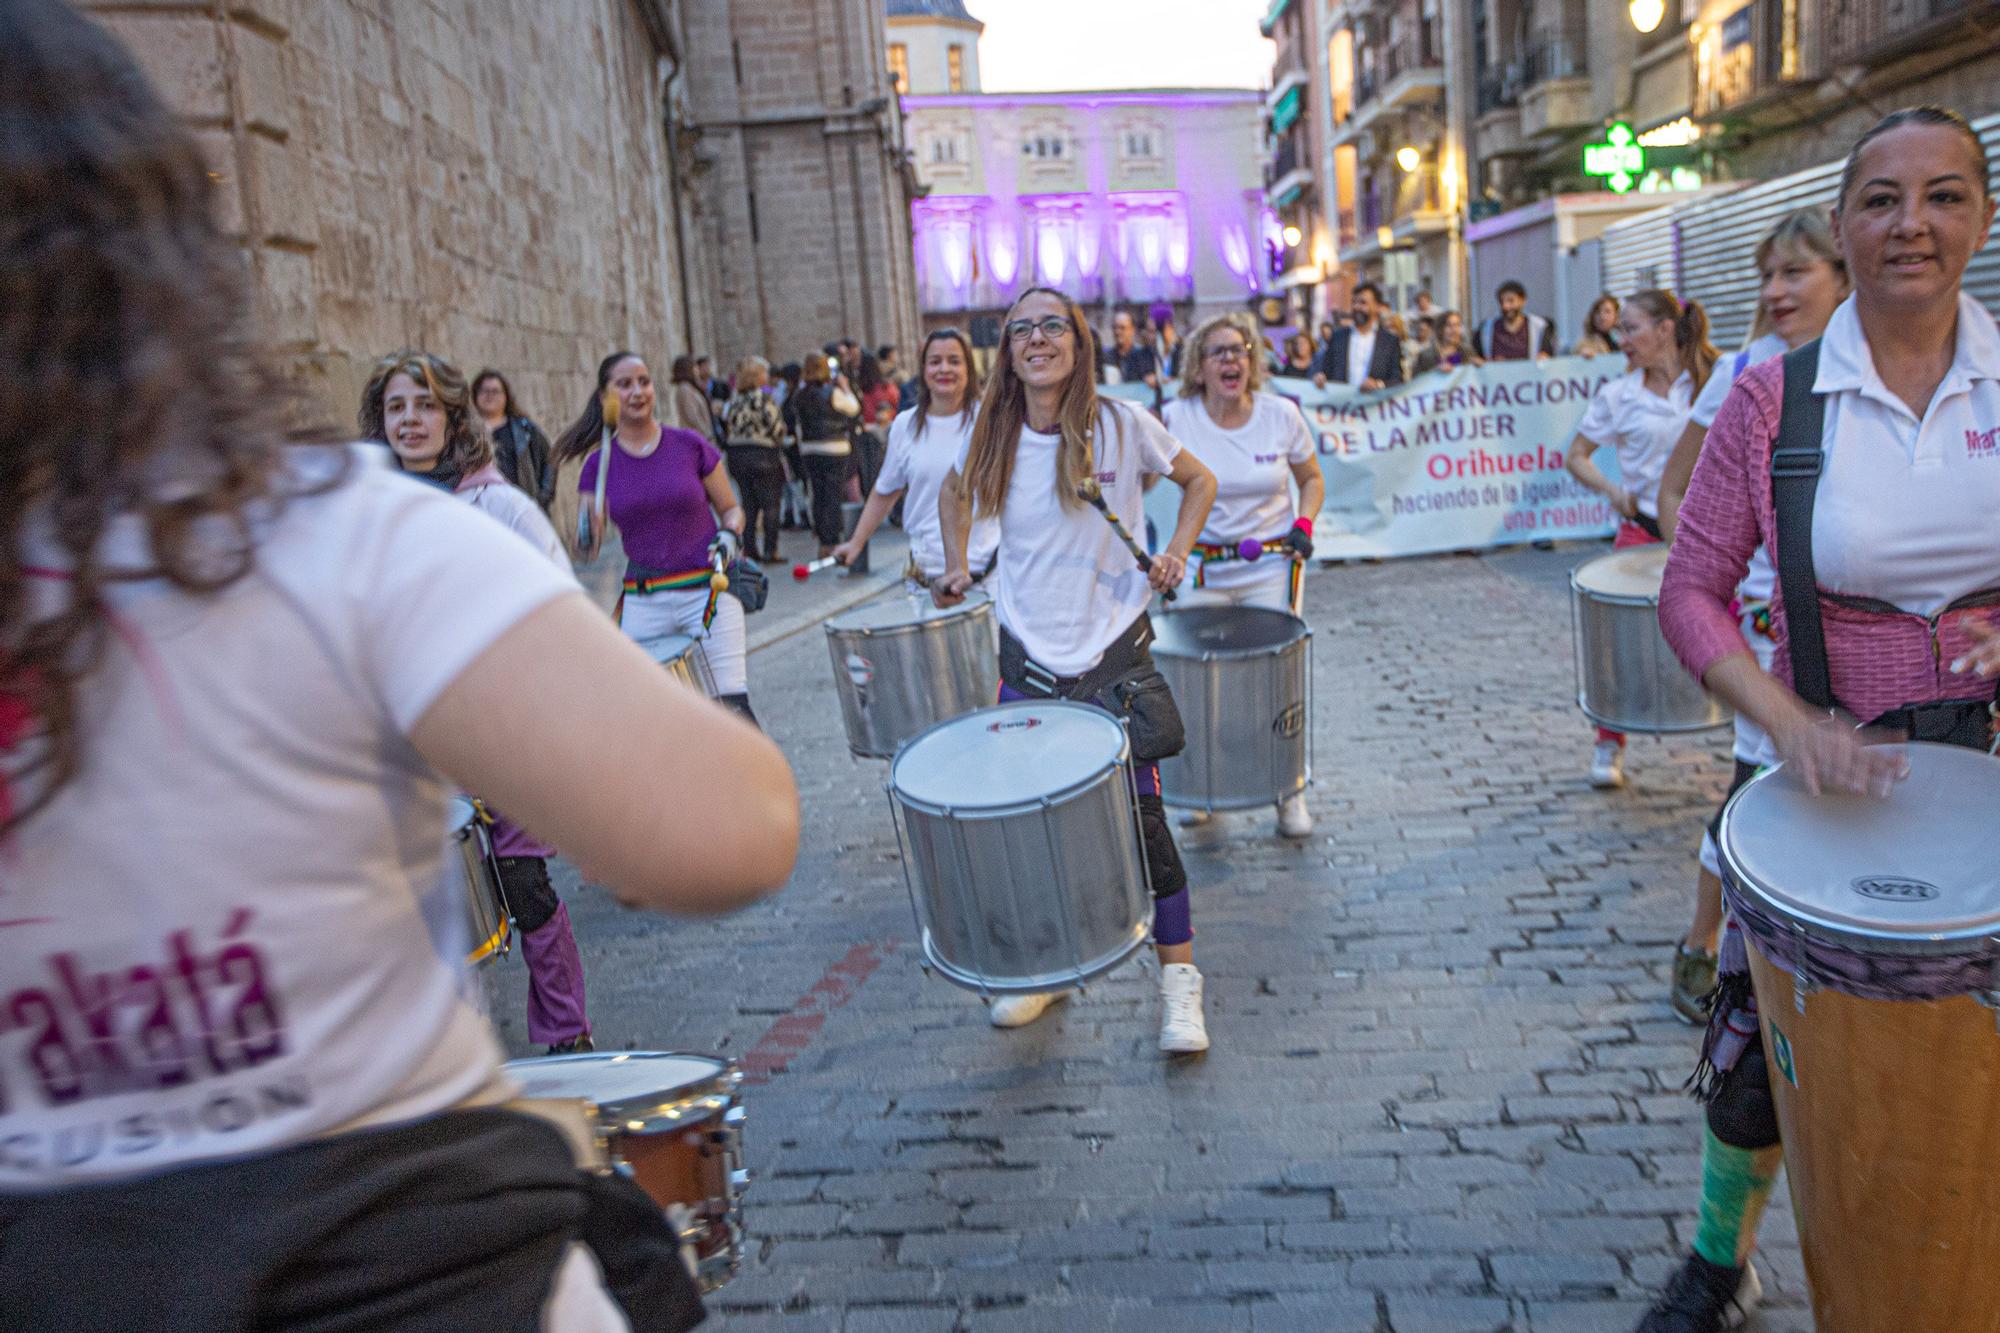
(670, 496)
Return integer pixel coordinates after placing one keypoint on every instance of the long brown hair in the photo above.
(585, 433)
(130, 381)
(968, 402)
(1003, 413)
(467, 445)
(1697, 353)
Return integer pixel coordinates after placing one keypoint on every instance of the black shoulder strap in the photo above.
(1796, 459)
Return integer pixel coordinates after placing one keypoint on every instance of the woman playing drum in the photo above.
(924, 443)
(1804, 278)
(670, 497)
(1902, 551)
(1640, 414)
(1071, 602)
(1254, 548)
(248, 1086)
(417, 404)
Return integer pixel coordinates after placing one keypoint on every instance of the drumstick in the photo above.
(718, 581)
(812, 567)
(1249, 549)
(1091, 493)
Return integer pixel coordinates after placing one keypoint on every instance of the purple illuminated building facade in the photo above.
(1121, 199)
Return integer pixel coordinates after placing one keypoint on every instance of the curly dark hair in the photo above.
(467, 444)
(130, 384)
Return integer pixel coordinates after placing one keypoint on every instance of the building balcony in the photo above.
(1874, 32)
(1286, 80)
(1555, 93)
(1287, 189)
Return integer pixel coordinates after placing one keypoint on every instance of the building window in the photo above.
(899, 66)
(954, 57)
(1141, 145)
(1045, 147)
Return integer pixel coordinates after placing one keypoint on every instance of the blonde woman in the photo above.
(754, 432)
(1071, 600)
(1259, 449)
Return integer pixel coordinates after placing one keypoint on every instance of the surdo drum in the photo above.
(1022, 847)
(471, 863)
(1626, 676)
(1242, 676)
(684, 660)
(1875, 951)
(900, 664)
(674, 1125)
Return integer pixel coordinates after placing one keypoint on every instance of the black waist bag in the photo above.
(1124, 683)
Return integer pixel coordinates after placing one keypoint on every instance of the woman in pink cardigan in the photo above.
(1897, 537)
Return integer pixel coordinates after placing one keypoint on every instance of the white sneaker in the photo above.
(1195, 818)
(1182, 1031)
(1607, 765)
(1294, 820)
(1017, 1011)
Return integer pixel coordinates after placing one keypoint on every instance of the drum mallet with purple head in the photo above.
(1092, 494)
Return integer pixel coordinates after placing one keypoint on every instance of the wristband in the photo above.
(1304, 525)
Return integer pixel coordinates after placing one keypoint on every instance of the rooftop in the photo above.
(928, 9)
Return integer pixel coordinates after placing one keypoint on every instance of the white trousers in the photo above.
(1274, 593)
(679, 611)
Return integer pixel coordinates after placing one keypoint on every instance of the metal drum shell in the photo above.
(685, 660)
(1628, 679)
(1227, 698)
(472, 867)
(896, 680)
(1030, 896)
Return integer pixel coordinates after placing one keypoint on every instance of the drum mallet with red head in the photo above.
(812, 567)
(1092, 494)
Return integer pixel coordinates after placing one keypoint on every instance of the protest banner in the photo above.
(1462, 460)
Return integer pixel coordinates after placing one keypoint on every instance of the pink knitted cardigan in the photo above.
(1878, 661)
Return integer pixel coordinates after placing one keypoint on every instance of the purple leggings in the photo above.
(1173, 916)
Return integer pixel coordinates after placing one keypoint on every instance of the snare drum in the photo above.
(1022, 847)
(1626, 676)
(1875, 934)
(684, 660)
(900, 664)
(1242, 676)
(673, 1123)
(470, 858)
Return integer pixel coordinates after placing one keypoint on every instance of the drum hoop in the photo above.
(651, 1112)
(949, 616)
(1237, 654)
(1937, 944)
(1015, 810)
(1610, 598)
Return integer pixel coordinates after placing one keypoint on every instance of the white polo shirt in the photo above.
(918, 465)
(1068, 586)
(1253, 477)
(1642, 426)
(1908, 510)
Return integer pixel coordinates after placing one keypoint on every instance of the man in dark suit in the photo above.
(1364, 354)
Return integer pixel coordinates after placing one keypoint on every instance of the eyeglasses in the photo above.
(1231, 352)
(1053, 327)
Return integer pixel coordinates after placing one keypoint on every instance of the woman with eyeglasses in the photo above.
(1070, 598)
(924, 443)
(1259, 449)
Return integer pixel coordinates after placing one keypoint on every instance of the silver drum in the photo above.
(1626, 676)
(900, 665)
(684, 658)
(1022, 846)
(472, 863)
(1242, 676)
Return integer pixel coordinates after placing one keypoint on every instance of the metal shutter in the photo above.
(1638, 253)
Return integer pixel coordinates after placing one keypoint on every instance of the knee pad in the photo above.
(531, 899)
(1163, 858)
(1743, 1113)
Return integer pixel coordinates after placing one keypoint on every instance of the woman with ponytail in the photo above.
(670, 496)
(1071, 600)
(1640, 414)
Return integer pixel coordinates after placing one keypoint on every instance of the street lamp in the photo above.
(1293, 236)
(1647, 14)
(1408, 158)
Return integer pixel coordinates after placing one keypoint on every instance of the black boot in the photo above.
(1704, 1298)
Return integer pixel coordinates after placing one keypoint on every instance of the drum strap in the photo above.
(1796, 460)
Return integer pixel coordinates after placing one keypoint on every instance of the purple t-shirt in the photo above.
(659, 502)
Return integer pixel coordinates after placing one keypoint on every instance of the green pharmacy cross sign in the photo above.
(1619, 159)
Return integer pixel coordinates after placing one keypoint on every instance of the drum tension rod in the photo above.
(1802, 977)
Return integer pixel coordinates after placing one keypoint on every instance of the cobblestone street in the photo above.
(1444, 1094)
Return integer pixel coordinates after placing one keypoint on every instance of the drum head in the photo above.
(1214, 631)
(638, 1080)
(1007, 756)
(1910, 873)
(1631, 573)
(899, 610)
(665, 648)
